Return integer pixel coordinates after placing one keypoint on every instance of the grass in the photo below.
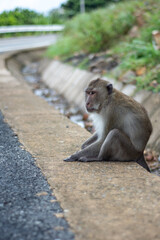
(109, 28)
(137, 54)
(140, 52)
(95, 31)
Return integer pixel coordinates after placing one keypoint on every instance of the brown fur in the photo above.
(122, 126)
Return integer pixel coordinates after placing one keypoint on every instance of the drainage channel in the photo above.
(32, 76)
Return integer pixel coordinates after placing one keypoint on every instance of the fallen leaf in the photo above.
(141, 71)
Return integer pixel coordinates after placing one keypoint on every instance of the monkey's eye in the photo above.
(92, 92)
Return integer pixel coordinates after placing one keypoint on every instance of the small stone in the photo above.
(129, 89)
(66, 210)
(118, 86)
(42, 194)
(140, 18)
(59, 228)
(59, 215)
(153, 165)
(128, 77)
(53, 200)
(154, 84)
(1, 205)
(151, 157)
(116, 72)
(89, 126)
(156, 39)
(134, 32)
(85, 116)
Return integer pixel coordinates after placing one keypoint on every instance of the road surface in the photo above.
(24, 43)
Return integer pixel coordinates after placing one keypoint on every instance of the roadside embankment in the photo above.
(101, 201)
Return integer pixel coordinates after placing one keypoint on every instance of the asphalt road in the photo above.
(27, 207)
(24, 43)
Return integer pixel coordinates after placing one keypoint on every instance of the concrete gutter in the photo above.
(101, 201)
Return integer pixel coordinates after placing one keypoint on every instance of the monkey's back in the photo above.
(131, 118)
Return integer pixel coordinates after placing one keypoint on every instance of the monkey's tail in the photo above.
(141, 161)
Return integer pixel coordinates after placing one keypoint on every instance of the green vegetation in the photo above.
(21, 17)
(55, 16)
(140, 52)
(111, 29)
(96, 31)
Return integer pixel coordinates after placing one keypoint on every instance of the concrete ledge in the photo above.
(102, 201)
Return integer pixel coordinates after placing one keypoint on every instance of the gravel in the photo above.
(27, 206)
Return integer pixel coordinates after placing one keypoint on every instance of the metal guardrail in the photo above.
(31, 28)
(24, 43)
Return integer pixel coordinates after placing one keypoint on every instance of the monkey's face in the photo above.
(96, 94)
(91, 99)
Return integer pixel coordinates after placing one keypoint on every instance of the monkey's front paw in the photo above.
(83, 159)
(72, 158)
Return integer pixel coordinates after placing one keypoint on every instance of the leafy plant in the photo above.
(108, 28)
(151, 81)
(98, 30)
(139, 53)
(21, 16)
(63, 48)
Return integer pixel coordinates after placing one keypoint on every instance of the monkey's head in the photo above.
(96, 94)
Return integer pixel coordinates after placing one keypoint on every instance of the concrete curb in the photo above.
(101, 201)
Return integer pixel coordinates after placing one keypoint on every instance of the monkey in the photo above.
(122, 126)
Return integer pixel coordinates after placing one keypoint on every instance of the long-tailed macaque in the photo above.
(122, 126)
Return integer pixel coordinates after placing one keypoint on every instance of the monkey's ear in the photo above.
(109, 88)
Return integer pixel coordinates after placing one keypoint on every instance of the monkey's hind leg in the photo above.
(141, 161)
